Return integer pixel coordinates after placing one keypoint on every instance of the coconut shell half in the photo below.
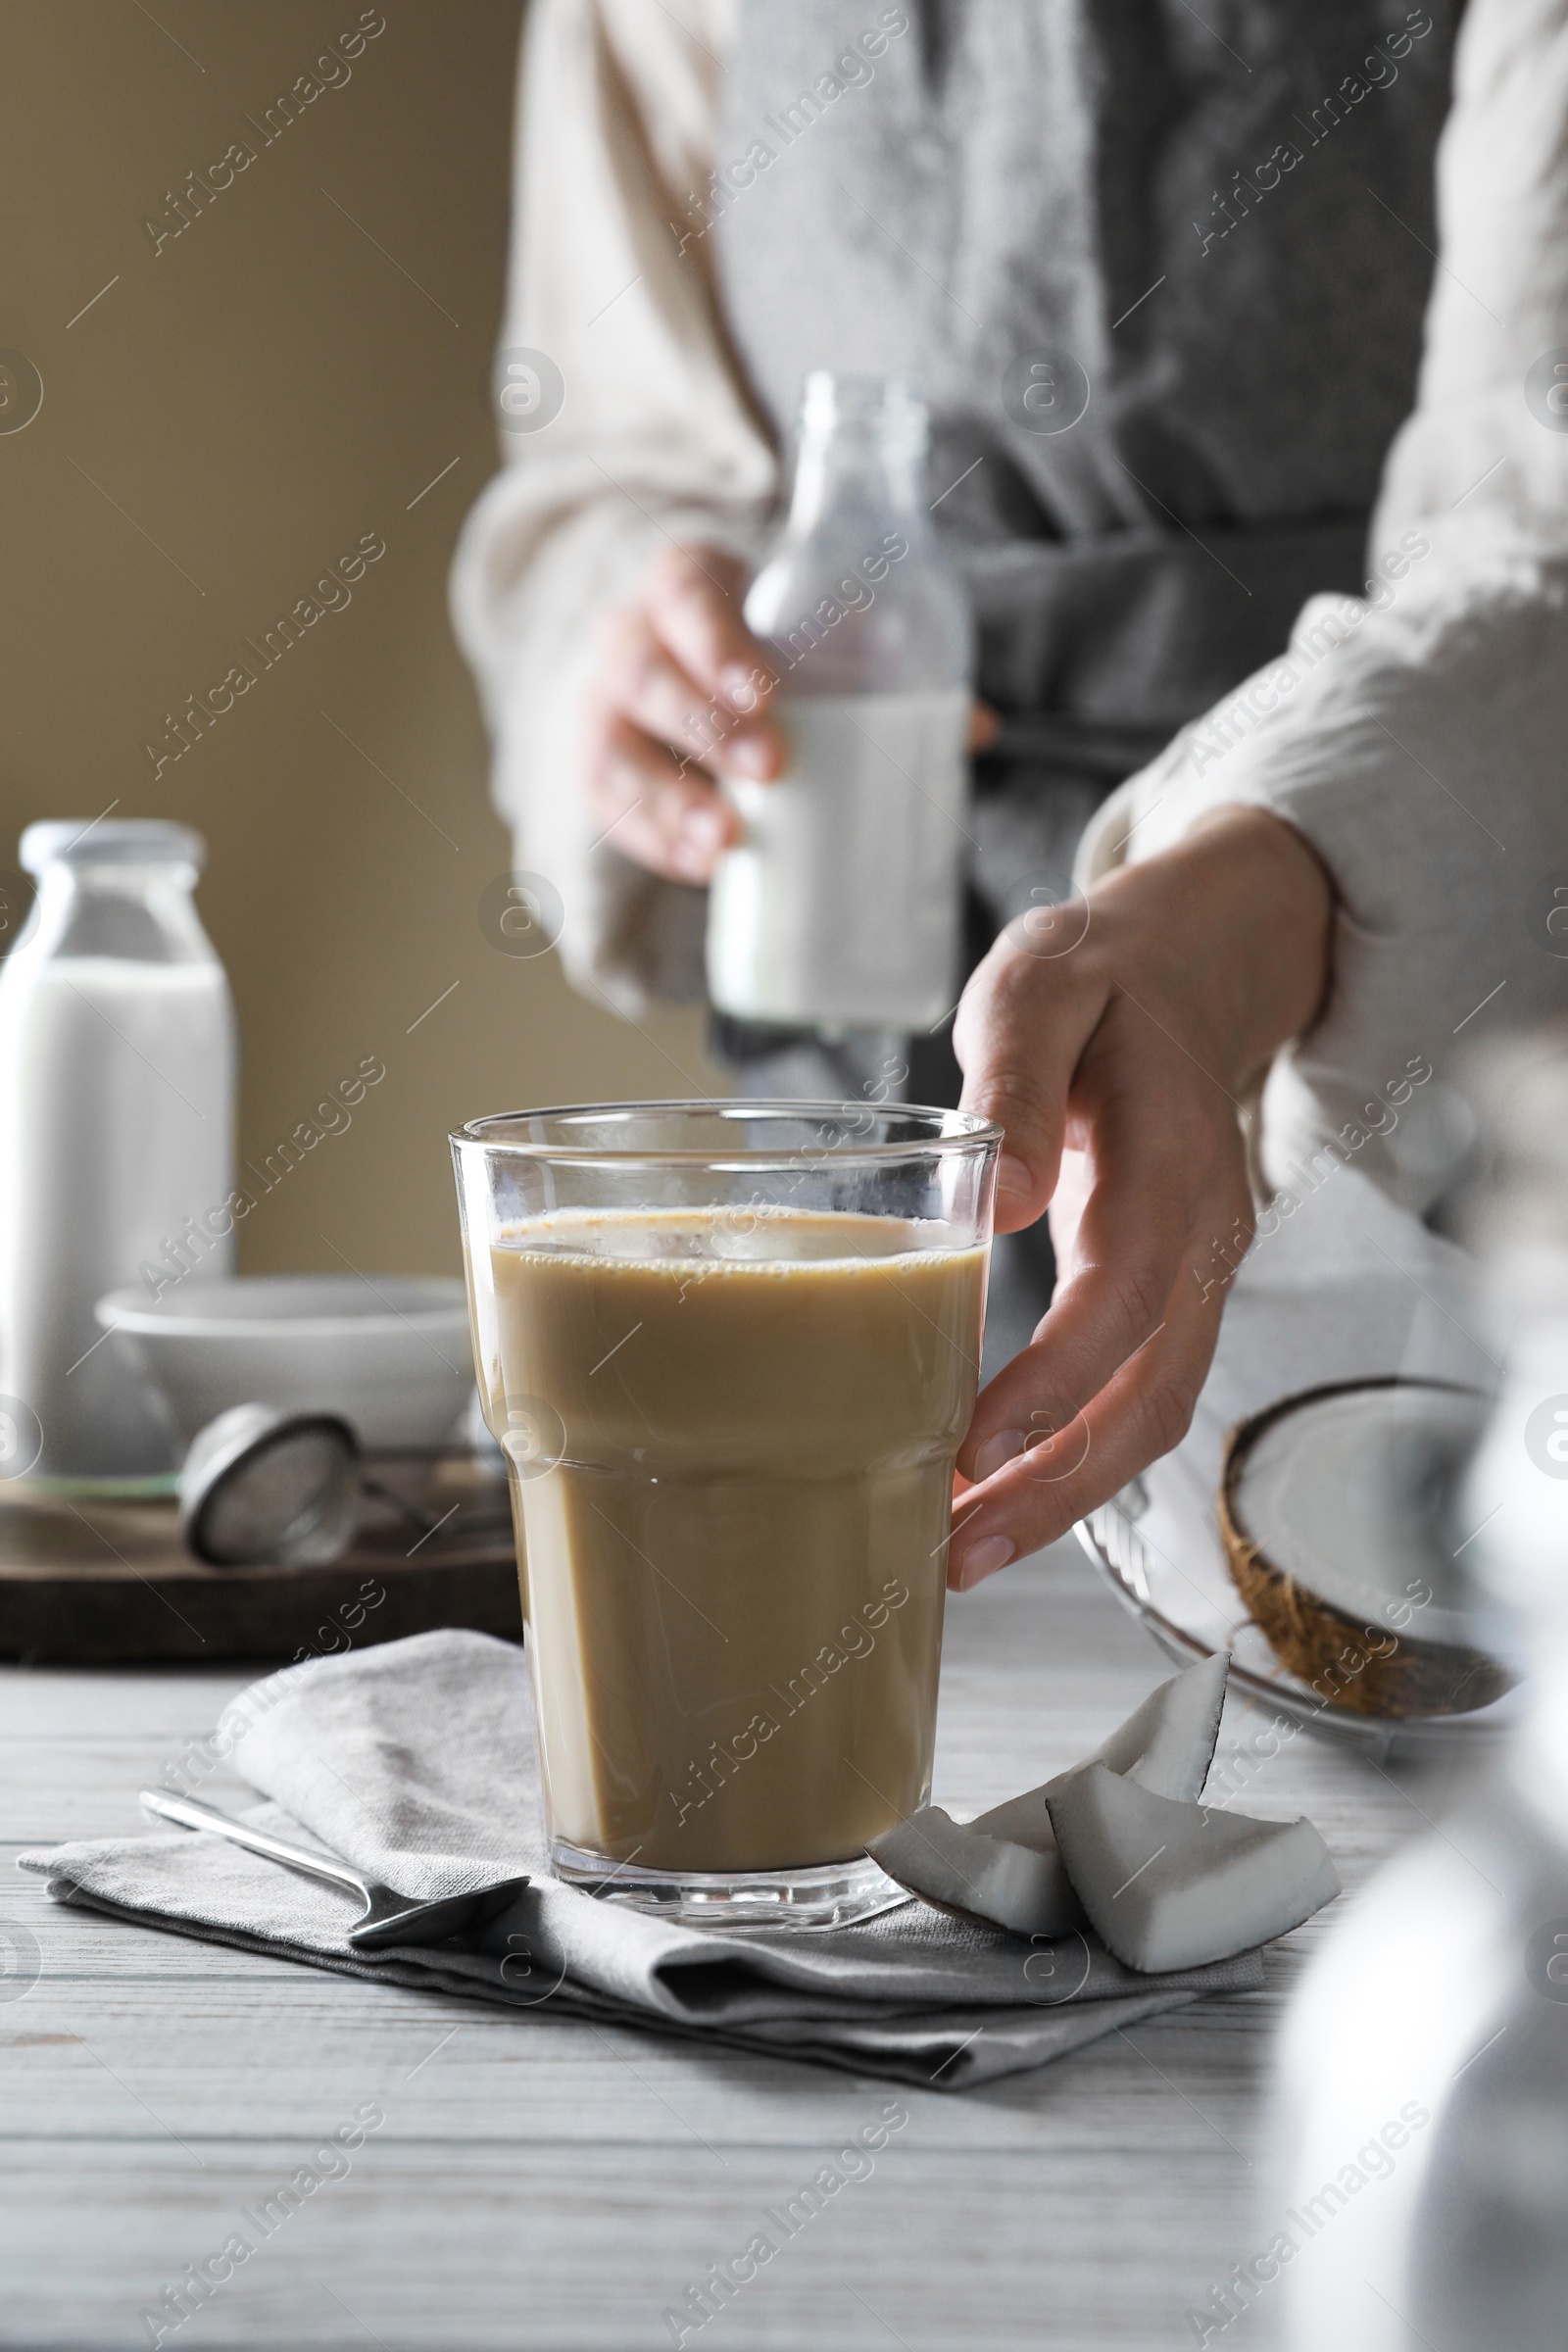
(1330, 1509)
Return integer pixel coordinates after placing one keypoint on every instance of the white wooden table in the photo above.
(539, 2184)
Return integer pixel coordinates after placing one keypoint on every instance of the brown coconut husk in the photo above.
(1368, 1669)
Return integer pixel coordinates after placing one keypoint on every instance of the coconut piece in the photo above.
(1330, 1507)
(1003, 1869)
(959, 1868)
(1167, 1744)
(1172, 1885)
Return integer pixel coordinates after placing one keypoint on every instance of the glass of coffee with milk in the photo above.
(730, 1350)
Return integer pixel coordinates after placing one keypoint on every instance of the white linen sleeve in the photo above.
(612, 280)
(1417, 735)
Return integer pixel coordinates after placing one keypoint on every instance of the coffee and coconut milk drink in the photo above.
(733, 1577)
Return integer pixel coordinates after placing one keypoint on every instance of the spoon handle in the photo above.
(190, 1814)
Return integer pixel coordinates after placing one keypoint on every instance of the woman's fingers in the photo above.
(659, 811)
(1122, 1028)
(679, 694)
(1111, 1378)
(1107, 1310)
(697, 598)
(1139, 1413)
(641, 681)
(1166, 1160)
(1021, 1024)
(985, 725)
(693, 601)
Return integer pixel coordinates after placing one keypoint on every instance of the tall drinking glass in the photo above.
(730, 1350)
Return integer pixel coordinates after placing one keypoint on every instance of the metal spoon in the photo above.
(388, 1917)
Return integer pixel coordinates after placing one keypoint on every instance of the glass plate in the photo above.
(1193, 1611)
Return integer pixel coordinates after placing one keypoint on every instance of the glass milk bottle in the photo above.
(116, 1081)
(839, 906)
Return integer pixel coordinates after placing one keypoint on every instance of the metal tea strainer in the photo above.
(262, 1487)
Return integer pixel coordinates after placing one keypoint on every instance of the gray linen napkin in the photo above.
(416, 1762)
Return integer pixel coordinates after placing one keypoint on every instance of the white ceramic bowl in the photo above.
(389, 1352)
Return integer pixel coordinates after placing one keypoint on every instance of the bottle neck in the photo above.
(134, 913)
(850, 475)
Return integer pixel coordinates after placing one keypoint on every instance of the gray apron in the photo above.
(1210, 236)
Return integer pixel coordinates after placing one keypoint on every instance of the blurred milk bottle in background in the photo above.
(839, 908)
(1424, 2066)
(117, 1086)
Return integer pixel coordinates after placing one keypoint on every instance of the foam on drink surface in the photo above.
(747, 1234)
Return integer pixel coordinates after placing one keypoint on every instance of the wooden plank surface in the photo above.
(101, 1583)
(543, 2184)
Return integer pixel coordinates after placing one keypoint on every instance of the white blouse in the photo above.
(1417, 736)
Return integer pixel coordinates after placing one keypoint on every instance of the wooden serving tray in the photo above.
(95, 1583)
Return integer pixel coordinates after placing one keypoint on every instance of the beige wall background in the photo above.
(224, 416)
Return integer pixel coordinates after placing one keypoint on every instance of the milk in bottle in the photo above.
(116, 1077)
(839, 906)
